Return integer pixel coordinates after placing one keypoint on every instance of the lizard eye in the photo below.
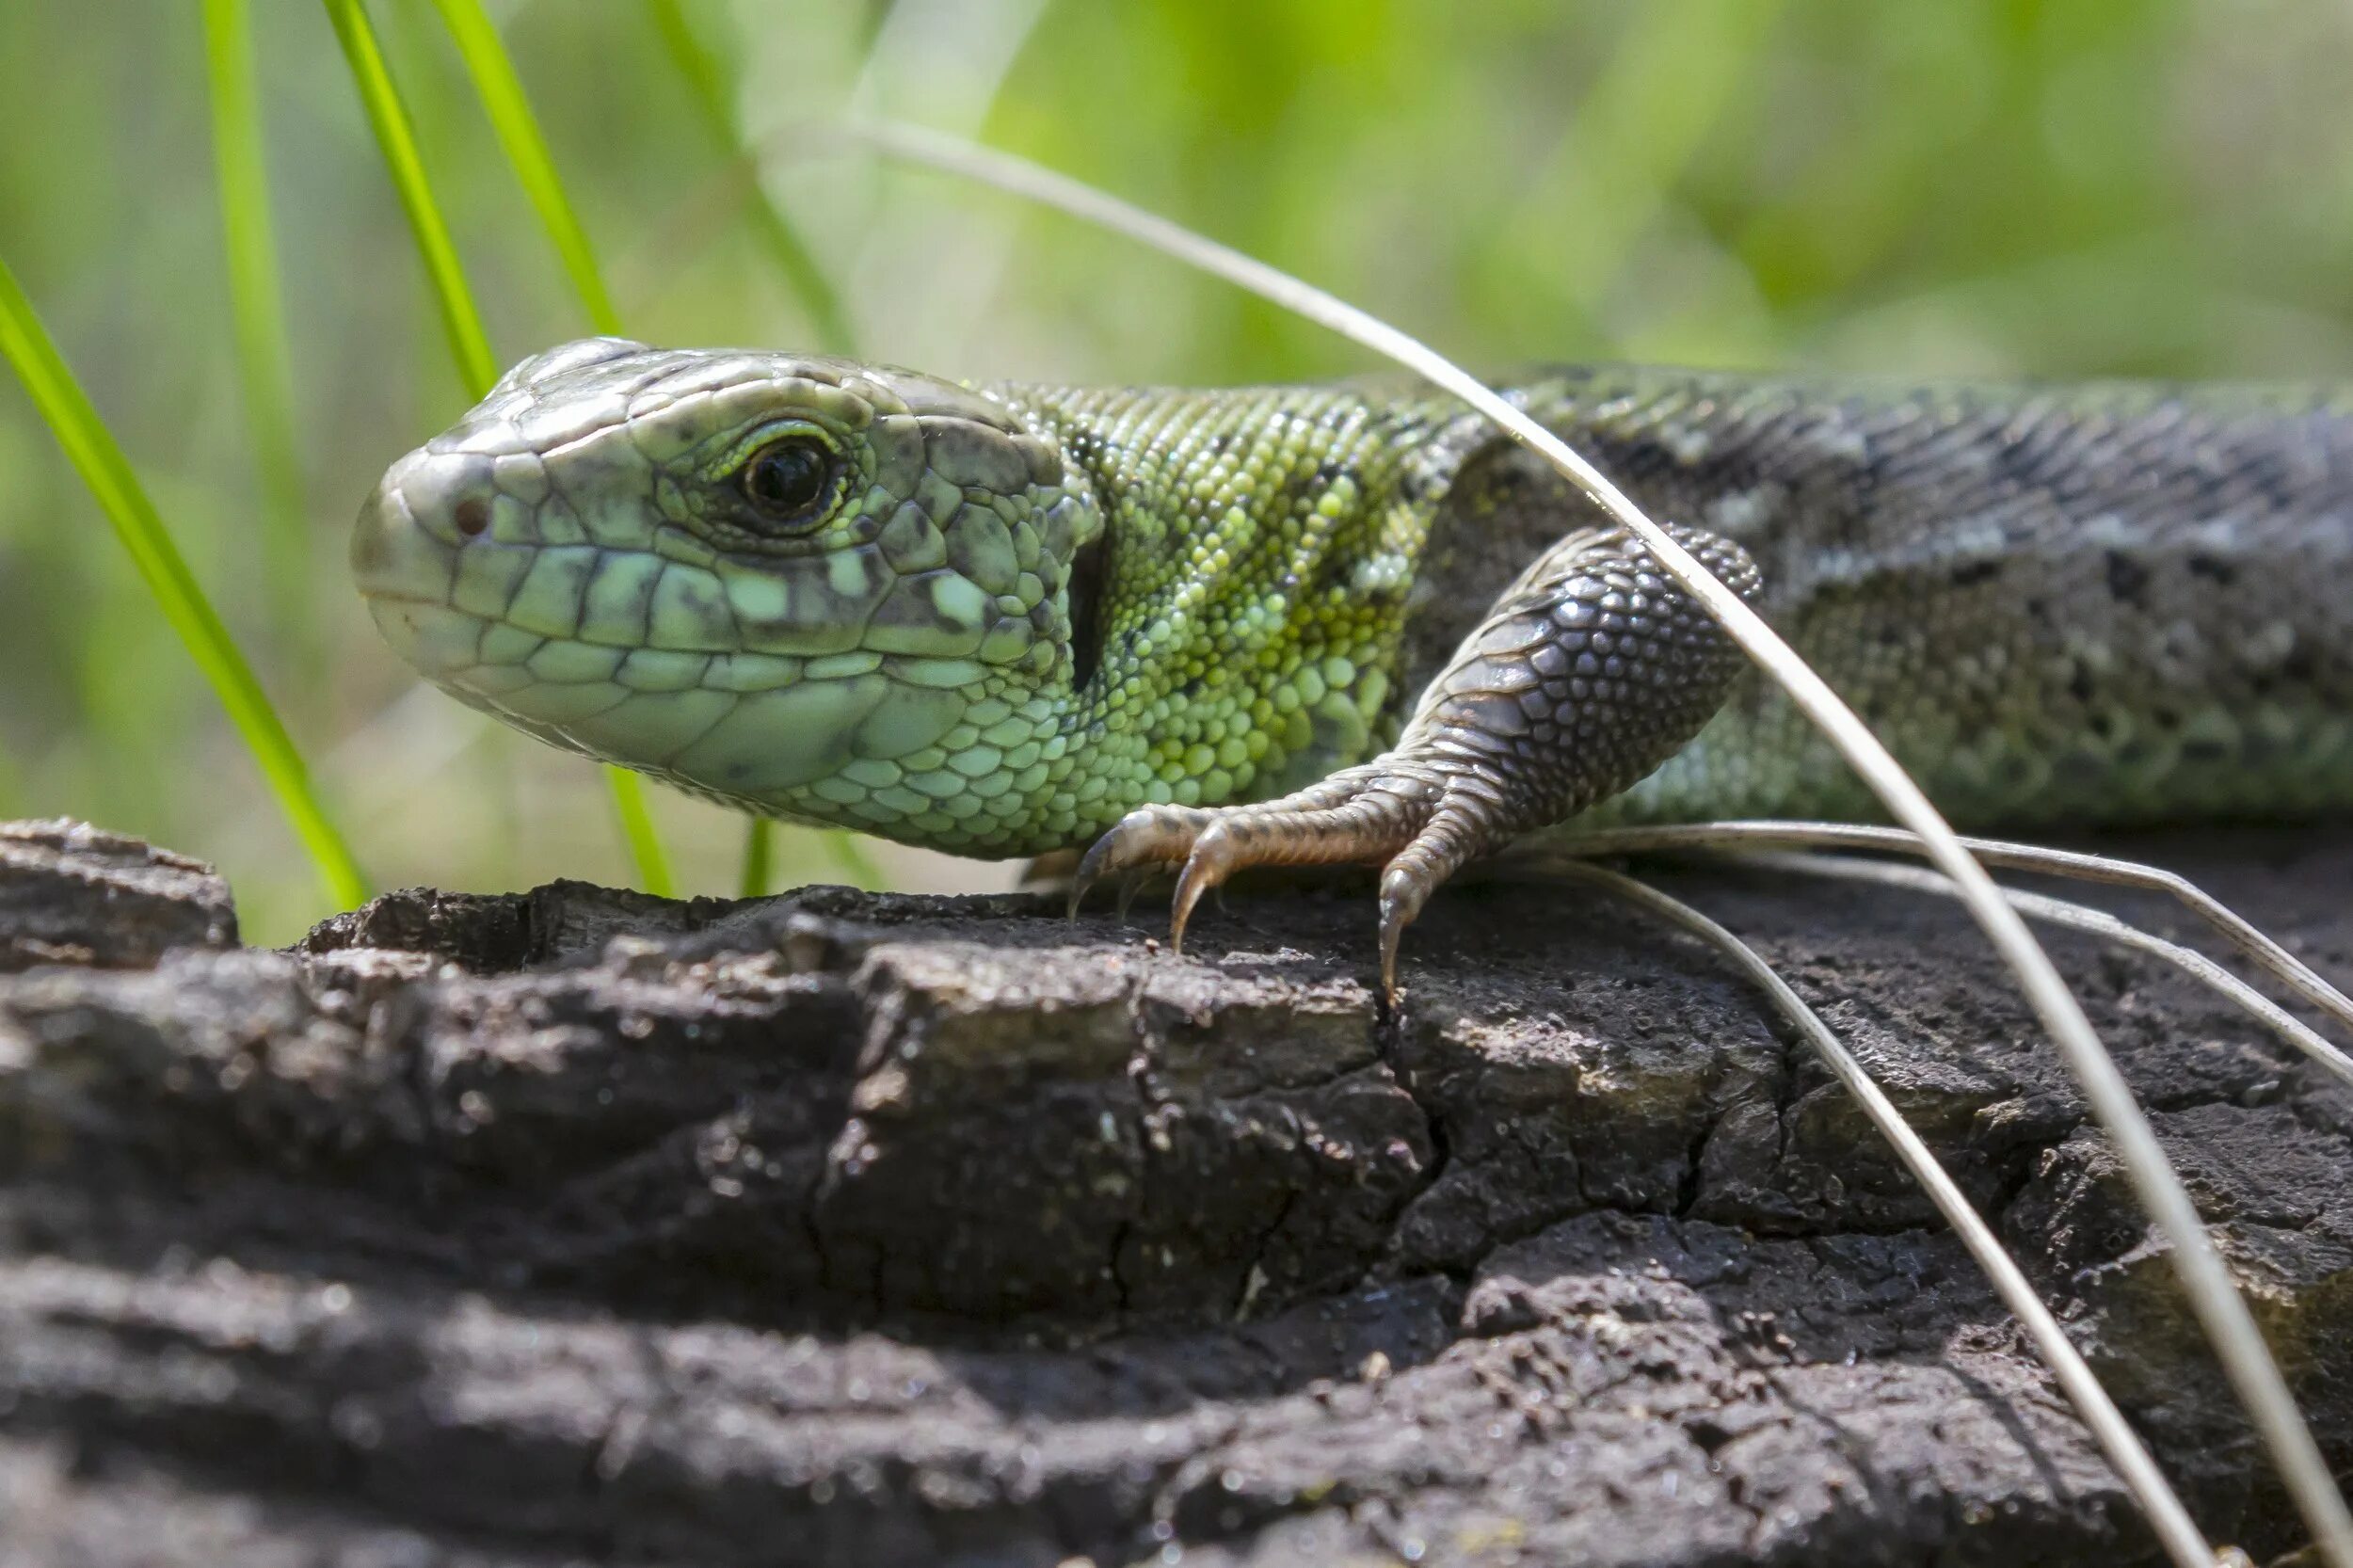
(788, 481)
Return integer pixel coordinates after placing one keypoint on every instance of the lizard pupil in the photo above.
(786, 480)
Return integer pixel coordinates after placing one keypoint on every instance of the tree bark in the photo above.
(578, 1226)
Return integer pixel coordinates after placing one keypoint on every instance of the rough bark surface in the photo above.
(577, 1225)
(71, 893)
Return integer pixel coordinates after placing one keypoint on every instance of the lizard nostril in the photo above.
(471, 516)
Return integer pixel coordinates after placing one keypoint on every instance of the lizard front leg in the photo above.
(1588, 672)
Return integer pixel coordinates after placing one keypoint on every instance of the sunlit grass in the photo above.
(468, 343)
(95, 455)
(759, 855)
(526, 150)
(782, 241)
(258, 316)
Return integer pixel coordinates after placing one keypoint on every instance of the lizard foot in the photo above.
(1587, 673)
(1414, 821)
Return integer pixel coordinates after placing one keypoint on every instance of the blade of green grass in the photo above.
(637, 831)
(258, 318)
(518, 129)
(109, 473)
(759, 838)
(785, 245)
(468, 345)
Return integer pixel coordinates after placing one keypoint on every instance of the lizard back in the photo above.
(2093, 604)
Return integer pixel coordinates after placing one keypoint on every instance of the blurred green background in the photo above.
(1931, 187)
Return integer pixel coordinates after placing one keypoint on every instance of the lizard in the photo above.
(1355, 623)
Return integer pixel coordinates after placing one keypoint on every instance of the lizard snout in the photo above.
(412, 524)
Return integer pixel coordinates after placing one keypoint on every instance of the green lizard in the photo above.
(1354, 623)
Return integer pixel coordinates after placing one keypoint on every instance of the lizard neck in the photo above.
(1240, 633)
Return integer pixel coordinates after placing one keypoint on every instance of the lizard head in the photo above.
(807, 587)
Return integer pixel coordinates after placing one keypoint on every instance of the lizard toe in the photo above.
(1454, 832)
(1365, 816)
(1147, 839)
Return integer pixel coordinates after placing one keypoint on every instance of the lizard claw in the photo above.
(1145, 840)
(1218, 852)
(1394, 817)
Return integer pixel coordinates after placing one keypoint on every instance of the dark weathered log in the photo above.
(870, 1229)
(71, 893)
